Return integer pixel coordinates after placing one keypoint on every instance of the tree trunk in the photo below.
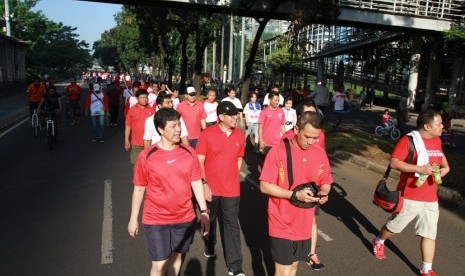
(433, 73)
(413, 72)
(182, 86)
(249, 63)
(456, 78)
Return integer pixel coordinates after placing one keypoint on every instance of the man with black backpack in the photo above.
(420, 192)
(297, 176)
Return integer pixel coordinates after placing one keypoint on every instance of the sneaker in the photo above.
(429, 273)
(315, 263)
(95, 140)
(235, 273)
(210, 254)
(101, 140)
(378, 250)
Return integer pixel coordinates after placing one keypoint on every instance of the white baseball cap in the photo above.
(190, 89)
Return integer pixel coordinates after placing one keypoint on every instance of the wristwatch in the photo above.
(205, 211)
(294, 196)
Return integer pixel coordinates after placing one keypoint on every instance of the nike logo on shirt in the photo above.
(170, 161)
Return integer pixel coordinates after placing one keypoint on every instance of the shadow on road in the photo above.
(353, 219)
(253, 217)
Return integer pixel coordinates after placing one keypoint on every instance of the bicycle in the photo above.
(51, 129)
(390, 130)
(35, 123)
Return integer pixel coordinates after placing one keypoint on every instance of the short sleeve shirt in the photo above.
(285, 220)
(136, 118)
(221, 155)
(210, 110)
(271, 120)
(252, 112)
(428, 191)
(168, 177)
(192, 115)
(290, 116)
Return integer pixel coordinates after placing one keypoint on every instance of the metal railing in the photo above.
(441, 9)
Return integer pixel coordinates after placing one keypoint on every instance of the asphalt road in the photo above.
(66, 212)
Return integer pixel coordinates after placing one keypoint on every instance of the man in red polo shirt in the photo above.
(168, 215)
(193, 114)
(73, 91)
(271, 124)
(224, 144)
(135, 124)
(290, 227)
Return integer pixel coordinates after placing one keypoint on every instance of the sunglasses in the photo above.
(192, 94)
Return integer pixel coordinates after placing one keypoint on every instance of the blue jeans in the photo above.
(98, 125)
(193, 142)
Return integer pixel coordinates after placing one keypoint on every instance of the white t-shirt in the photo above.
(266, 101)
(290, 116)
(175, 102)
(253, 113)
(152, 99)
(151, 134)
(210, 109)
(339, 99)
(235, 101)
(126, 93)
(132, 101)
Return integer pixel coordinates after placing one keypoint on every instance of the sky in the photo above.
(91, 19)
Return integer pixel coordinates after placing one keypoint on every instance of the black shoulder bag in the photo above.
(290, 177)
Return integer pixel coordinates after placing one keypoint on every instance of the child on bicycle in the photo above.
(386, 119)
(50, 103)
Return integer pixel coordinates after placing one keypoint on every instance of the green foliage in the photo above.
(53, 47)
(455, 38)
(283, 58)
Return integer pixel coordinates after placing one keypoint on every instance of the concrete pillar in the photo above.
(413, 72)
(222, 53)
(205, 60)
(457, 79)
(214, 60)
(241, 67)
(231, 49)
(433, 73)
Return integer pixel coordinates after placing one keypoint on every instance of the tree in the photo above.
(53, 47)
(106, 50)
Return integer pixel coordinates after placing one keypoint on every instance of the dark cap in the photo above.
(226, 108)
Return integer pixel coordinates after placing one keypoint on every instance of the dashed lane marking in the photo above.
(107, 226)
(13, 127)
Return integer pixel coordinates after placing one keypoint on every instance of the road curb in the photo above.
(443, 192)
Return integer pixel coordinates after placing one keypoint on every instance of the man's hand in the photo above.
(307, 196)
(133, 228)
(127, 145)
(208, 192)
(205, 223)
(426, 169)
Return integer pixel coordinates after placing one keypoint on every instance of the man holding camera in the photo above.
(290, 226)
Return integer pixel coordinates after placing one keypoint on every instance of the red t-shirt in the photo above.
(192, 115)
(73, 91)
(136, 120)
(428, 191)
(290, 134)
(221, 154)
(167, 176)
(285, 220)
(271, 120)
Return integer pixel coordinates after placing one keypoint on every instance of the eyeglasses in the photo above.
(192, 94)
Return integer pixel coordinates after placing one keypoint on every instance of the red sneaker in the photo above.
(378, 250)
(429, 273)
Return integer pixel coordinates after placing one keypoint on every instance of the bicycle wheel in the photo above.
(35, 126)
(395, 134)
(50, 138)
(379, 130)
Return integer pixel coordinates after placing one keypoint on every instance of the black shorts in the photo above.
(162, 240)
(286, 252)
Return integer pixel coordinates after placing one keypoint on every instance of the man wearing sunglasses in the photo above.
(193, 114)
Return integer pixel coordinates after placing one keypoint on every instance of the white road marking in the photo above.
(107, 226)
(13, 127)
(326, 237)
